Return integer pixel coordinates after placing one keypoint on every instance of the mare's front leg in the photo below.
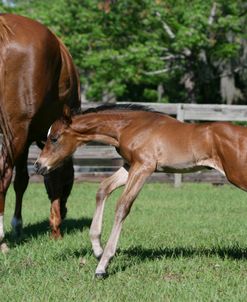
(6, 171)
(107, 186)
(20, 185)
(58, 185)
(137, 177)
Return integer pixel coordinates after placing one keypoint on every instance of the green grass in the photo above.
(187, 244)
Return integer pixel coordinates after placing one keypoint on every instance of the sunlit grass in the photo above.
(187, 244)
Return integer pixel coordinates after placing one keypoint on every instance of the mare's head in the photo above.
(61, 143)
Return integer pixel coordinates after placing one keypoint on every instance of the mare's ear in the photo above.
(66, 115)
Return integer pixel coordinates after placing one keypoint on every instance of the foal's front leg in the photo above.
(58, 185)
(137, 177)
(115, 181)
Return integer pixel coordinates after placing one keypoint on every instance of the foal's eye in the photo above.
(53, 139)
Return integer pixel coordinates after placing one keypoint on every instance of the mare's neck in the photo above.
(104, 127)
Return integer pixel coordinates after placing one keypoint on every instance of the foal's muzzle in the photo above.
(39, 169)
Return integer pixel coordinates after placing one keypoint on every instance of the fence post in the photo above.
(180, 117)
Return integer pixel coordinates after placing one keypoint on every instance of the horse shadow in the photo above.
(133, 255)
(141, 254)
(234, 252)
(32, 231)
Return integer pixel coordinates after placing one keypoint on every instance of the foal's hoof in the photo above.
(101, 276)
(98, 256)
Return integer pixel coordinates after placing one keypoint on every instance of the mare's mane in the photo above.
(116, 107)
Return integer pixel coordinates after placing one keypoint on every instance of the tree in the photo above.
(149, 50)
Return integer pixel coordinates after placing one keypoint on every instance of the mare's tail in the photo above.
(4, 123)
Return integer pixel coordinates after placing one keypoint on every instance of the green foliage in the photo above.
(140, 44)
(149, 94)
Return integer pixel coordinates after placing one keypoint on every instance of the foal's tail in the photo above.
(4, 124)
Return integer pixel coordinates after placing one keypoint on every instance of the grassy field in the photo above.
(187, 244)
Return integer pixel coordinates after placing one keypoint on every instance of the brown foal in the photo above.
(148, 141)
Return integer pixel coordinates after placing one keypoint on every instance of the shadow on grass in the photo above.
(137, 255)
(141, 254)
(235, 252)
(40, 228)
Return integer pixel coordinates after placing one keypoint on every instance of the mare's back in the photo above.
(30, 67)
(31, 63)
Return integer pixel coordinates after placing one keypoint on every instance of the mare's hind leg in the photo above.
(137, 177)
(6, 170)
(118, 179)
(20, 185)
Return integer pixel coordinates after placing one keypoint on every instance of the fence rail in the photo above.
(95, 162)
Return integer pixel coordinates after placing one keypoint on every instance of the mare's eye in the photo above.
(53, 139)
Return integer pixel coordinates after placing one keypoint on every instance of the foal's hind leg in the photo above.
(118, 179)
(20, 185)
(137, 177)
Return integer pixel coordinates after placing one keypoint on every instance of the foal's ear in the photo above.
(66, 115)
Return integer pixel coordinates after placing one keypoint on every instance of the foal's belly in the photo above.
(180, 168)
(188, 167)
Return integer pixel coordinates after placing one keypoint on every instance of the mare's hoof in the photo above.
(4, 248)
(101, 276)
(16, 227)
(17, 232)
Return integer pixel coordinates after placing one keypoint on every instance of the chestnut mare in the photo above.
(148, 141)
(37, 77)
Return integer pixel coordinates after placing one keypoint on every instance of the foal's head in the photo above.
(61, 143)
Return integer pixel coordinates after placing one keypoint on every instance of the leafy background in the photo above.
(145, 50)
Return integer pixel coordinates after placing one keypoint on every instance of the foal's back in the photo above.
(177, 146)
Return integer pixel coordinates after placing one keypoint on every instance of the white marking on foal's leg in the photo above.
(16, 226)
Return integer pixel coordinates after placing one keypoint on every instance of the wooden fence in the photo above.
(95, 162)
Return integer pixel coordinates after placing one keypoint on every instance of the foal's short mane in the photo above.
(116, 107)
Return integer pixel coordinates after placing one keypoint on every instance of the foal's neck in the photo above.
(104, 126)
